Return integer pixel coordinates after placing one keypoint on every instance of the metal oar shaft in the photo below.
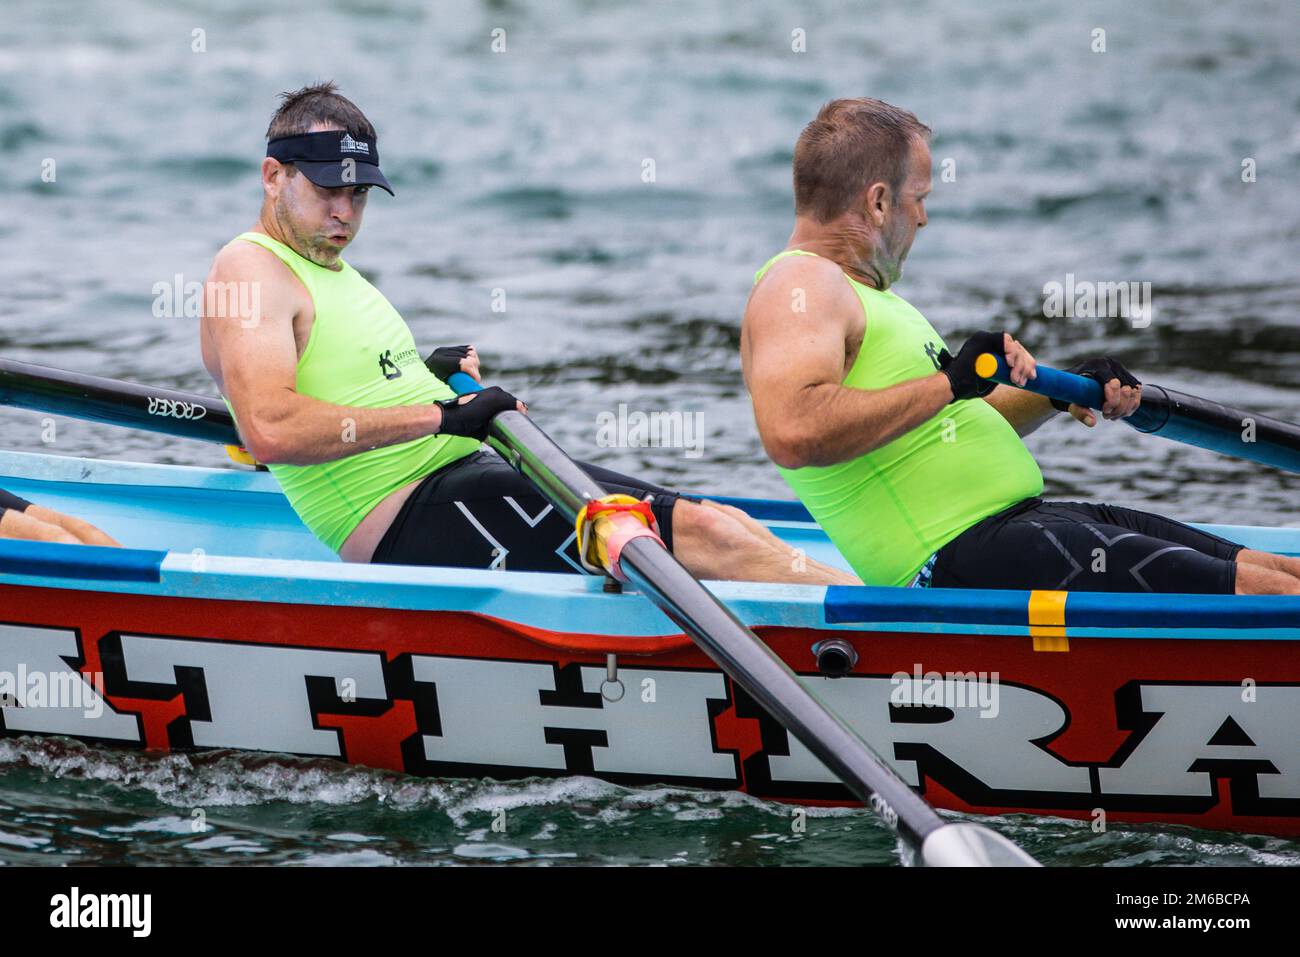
(749, 662)
(736, 649)
(770, 682)
(1179, 416)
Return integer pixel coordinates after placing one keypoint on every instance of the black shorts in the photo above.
(478, 512)
(8, 501)
(1074, 546)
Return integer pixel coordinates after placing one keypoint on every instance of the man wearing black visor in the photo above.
(372, 448)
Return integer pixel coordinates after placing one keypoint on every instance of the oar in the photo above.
(740, 653)
(25, 385)
(644, 562)
(1172, 415)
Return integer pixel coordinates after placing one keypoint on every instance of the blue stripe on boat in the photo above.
(861, 604)
(1101, 610)
(770, 509)
(57, 560)
(864, 603)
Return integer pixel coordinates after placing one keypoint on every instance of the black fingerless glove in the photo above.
(445, 361)
(471, 419)
(960, 369)
(1101, 370)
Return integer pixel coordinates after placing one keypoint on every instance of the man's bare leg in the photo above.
(723, 543)
(46, 525)
(1263, 573)
(20, 525)
(833, 575)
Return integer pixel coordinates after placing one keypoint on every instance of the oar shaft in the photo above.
(735, 649)
(1220, 428)
(1177, 416)
(770, 682)
(750, 663)
(26, 385)
(652, 570)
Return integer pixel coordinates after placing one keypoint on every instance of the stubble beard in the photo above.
(895, 245)
(308, 244)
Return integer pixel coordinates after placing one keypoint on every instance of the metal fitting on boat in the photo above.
(611, 689)
(835, 657)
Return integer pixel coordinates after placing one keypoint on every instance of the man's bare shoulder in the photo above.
(242, 260)
(251, 304)
(801, 284)
(244, 274)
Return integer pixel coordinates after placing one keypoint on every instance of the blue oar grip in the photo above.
(1053, 383)
(463, 383)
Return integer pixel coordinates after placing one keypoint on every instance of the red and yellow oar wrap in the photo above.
(605, 525)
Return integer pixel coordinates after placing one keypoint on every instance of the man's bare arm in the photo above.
(1025, 411)
(795, 364)
(257, 359)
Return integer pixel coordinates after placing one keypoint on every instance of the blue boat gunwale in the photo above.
(554, 600)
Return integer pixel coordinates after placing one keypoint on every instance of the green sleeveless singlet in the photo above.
(360, 353)
(889, 510)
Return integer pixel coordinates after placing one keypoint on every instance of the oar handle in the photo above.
(463, 383)
(1171, 414)
(1151, 416)
(1053, 383)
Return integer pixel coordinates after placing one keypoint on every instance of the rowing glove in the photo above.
(960, 369)
(471, 419)
(445, 361)
(1100, 370)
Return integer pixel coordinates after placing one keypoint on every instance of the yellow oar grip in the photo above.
(986, 365)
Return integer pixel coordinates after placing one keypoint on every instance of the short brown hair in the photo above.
(319, 103)
(850, 145)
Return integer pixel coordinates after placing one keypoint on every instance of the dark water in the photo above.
(522, 172)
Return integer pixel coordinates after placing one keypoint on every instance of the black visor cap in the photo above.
(331, 159)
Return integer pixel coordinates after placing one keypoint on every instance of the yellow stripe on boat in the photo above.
(1047, 620)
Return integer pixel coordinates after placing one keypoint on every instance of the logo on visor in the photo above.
(349, 145)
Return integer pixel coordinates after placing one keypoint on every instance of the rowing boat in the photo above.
(226, 624)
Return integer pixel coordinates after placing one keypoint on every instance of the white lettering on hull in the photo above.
(998, 751)
(1168, 760)
(42, 651)
(491, 713)
(256, 694)
(670, 735)
(526, 717)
